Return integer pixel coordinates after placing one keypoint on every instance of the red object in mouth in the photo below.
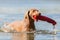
(35, 18)
(44, 18)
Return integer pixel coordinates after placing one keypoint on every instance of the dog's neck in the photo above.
(30, 22)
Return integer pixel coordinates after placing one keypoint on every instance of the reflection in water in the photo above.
(55, 37)
(23, 36)
(28, 36)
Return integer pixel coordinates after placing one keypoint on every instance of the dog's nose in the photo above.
(39, 13)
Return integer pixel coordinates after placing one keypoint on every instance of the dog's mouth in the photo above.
(35, 17)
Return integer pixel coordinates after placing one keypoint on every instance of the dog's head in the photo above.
(33, 14)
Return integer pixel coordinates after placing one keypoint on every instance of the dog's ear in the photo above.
(27, 15)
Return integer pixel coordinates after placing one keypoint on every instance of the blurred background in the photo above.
(12, 10)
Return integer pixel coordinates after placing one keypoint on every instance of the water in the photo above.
(28, 36)
(40, 25)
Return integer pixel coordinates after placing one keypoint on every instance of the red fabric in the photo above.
(44, 18)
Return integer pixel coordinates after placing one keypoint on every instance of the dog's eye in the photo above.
(34, 10)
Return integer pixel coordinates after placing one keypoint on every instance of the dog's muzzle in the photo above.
(36, 17)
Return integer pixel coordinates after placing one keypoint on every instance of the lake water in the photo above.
(40, 25)
(29, 36)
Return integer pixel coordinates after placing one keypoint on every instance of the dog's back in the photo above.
(16, 26)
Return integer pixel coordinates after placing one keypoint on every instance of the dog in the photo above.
(27, 24)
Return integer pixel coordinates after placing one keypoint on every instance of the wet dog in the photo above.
(27, 24)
